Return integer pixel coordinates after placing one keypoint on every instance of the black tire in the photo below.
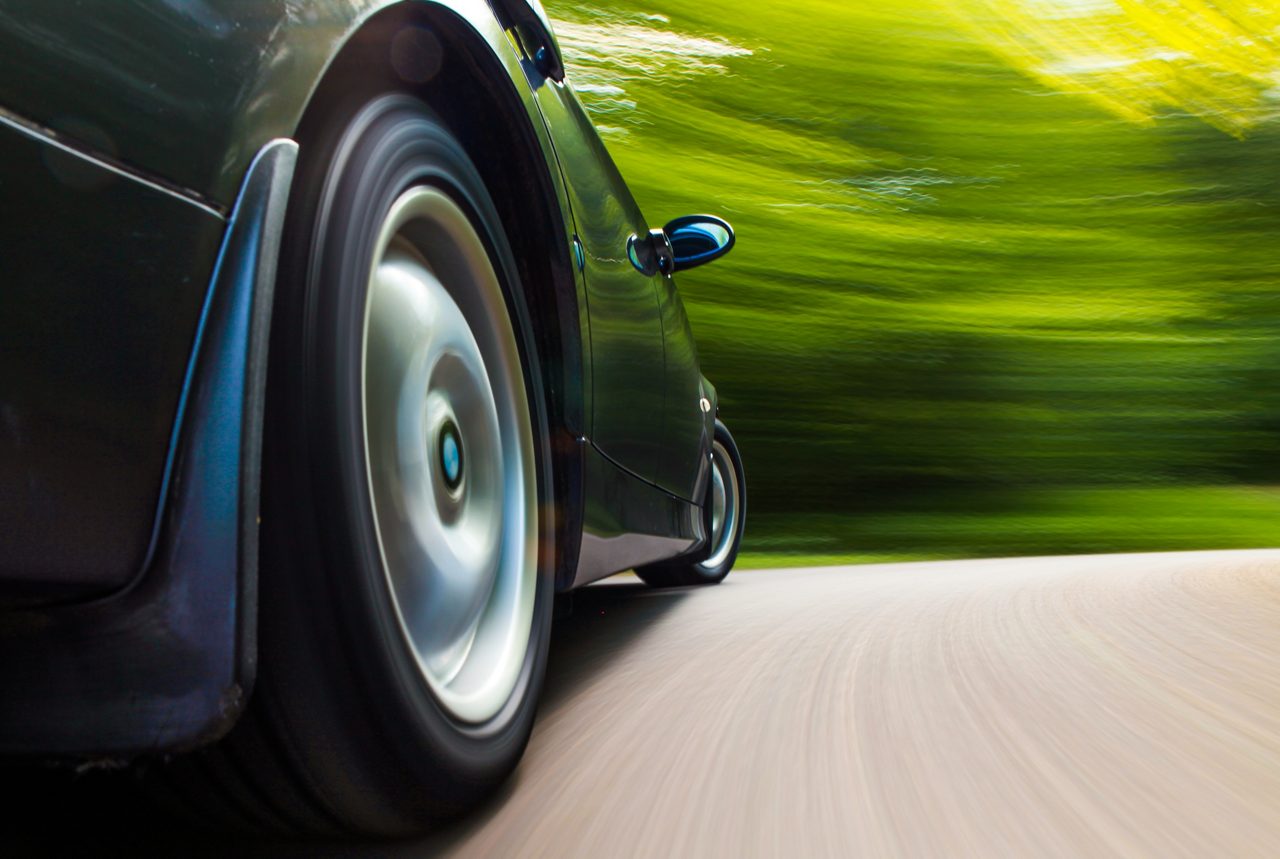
(343, 732)
(711, 564)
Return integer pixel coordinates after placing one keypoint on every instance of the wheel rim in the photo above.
(449, 454)
(725, 506)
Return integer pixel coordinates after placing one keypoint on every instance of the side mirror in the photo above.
(698, 239)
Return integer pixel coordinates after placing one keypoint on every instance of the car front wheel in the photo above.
(406, 580)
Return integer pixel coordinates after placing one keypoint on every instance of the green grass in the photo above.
(1039, 522)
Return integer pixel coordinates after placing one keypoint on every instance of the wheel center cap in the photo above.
(450, 451)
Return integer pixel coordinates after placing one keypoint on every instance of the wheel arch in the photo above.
(479, 89)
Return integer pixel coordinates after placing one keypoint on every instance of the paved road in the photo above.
(1090, 706)
(1111, 705)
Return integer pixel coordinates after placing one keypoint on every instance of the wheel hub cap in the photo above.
(449, 452)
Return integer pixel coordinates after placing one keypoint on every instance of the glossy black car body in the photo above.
(148, 150)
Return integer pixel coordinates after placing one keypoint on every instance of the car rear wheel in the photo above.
(406, 581)
(726, 512)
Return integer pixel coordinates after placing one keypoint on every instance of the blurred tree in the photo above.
(990, 251)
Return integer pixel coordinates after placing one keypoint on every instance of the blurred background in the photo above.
(1007, 279)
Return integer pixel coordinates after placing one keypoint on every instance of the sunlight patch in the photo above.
(1142, 60)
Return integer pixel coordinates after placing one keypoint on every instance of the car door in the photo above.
(686, 439)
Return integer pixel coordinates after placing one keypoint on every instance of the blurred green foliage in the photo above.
(978, 306)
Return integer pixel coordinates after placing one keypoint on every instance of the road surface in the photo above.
(1086, 706)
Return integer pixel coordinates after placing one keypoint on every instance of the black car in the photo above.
(332, 347)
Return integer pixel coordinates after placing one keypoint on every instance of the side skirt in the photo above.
(169, 663)
(629, 522)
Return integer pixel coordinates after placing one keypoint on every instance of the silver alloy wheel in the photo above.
(449, 454)
(725, 507)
